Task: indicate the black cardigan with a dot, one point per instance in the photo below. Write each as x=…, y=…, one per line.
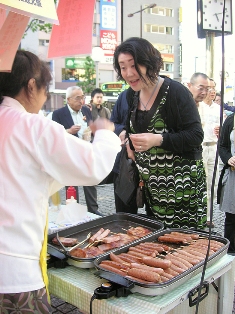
x=225, y=149
x=182, y=119
x=225, y=144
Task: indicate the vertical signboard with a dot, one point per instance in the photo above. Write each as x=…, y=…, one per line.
x=108, y=28
x=11, y=33
x=74, y=34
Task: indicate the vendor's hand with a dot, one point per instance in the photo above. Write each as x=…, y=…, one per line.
x=122, y=136
x=100, y=124
x=130, y=153
x=231, y=161
x=145, y=141
x=74, y=129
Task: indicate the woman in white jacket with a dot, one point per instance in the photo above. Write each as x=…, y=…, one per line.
x=38, y=157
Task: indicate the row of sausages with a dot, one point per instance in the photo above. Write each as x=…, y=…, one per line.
x=145, y=262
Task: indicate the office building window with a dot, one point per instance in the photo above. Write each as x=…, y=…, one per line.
x=159, y=11
x=168, y=67
x=164, y=48
x=44, y=42
x=160, y=29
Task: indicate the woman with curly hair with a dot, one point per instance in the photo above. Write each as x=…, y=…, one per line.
x=165, y=136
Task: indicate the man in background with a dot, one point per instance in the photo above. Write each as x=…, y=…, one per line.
x=198, y=86
x=97, y=109
x=203, y=90
x=75, y=117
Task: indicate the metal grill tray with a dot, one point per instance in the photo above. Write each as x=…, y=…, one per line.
x=165, y=287
x=116, y=223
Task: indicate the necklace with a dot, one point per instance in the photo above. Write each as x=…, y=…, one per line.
x=145, y=106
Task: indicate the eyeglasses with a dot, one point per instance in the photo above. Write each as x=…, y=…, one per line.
x=202, y=89
x=211, y=89
x=78, y=98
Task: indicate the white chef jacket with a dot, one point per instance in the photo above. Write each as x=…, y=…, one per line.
x=38, y=157
x=210, y=118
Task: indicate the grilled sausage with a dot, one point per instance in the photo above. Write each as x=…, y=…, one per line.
x=193, y=236
x=138, y=279
x=136, y=254
x=142, y=251
x=170, y=271
x=177, y=269
x=166, y=275
x=156, y=262
x=146, y=267
x=122, y=266
x=115, y=258
x=144, y=274
x=172, y=239
x=114, y=270
x=191, y=259
x=194, y=252
x=159, y=248
x=155, y=245
x=179, y=260
x=129, y=258
x=164, y=278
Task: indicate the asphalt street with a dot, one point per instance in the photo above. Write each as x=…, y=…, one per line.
x=107, y=207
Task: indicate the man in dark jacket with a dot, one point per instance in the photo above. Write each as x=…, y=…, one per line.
x=75, y=118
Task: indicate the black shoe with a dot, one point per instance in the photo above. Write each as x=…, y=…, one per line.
x=208, y=224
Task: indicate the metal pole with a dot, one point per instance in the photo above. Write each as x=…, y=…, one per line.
x=210, y=54
x=121, y=20
x=97, y=73
x=195, y=64
x=141, y=18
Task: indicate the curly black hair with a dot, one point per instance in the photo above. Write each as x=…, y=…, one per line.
x=143, y=53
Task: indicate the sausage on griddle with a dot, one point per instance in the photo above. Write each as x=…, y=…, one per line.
x=156, y=262
x=144, y=274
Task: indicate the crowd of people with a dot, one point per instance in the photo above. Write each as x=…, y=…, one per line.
x=172, y=141
x=170, y=131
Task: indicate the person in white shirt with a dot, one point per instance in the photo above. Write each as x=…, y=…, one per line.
x=210, y=116
x=38, y=157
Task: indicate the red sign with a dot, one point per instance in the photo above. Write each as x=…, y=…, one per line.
x=10, y=36
x=108, y=41
x=74, y=34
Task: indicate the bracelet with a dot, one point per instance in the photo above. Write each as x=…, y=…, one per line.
x=161, y=141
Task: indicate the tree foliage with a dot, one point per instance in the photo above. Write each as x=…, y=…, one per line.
x=89, y=82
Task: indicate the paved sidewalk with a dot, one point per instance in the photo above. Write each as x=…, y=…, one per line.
x=107, y=207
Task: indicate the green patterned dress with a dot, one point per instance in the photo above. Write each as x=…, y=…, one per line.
x=175, y=187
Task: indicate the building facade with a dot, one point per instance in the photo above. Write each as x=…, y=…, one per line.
x=161, y=25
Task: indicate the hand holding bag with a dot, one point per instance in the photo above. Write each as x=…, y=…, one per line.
x=128, y=178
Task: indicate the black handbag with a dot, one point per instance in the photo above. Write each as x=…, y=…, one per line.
x=128, y=178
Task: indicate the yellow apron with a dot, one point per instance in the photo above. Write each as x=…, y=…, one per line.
x=43, y=258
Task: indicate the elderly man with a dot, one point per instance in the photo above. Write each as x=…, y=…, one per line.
x=75, y=117
x=198, y=86
x=203, y=90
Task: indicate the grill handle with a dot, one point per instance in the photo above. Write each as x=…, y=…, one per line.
x=204, y=293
